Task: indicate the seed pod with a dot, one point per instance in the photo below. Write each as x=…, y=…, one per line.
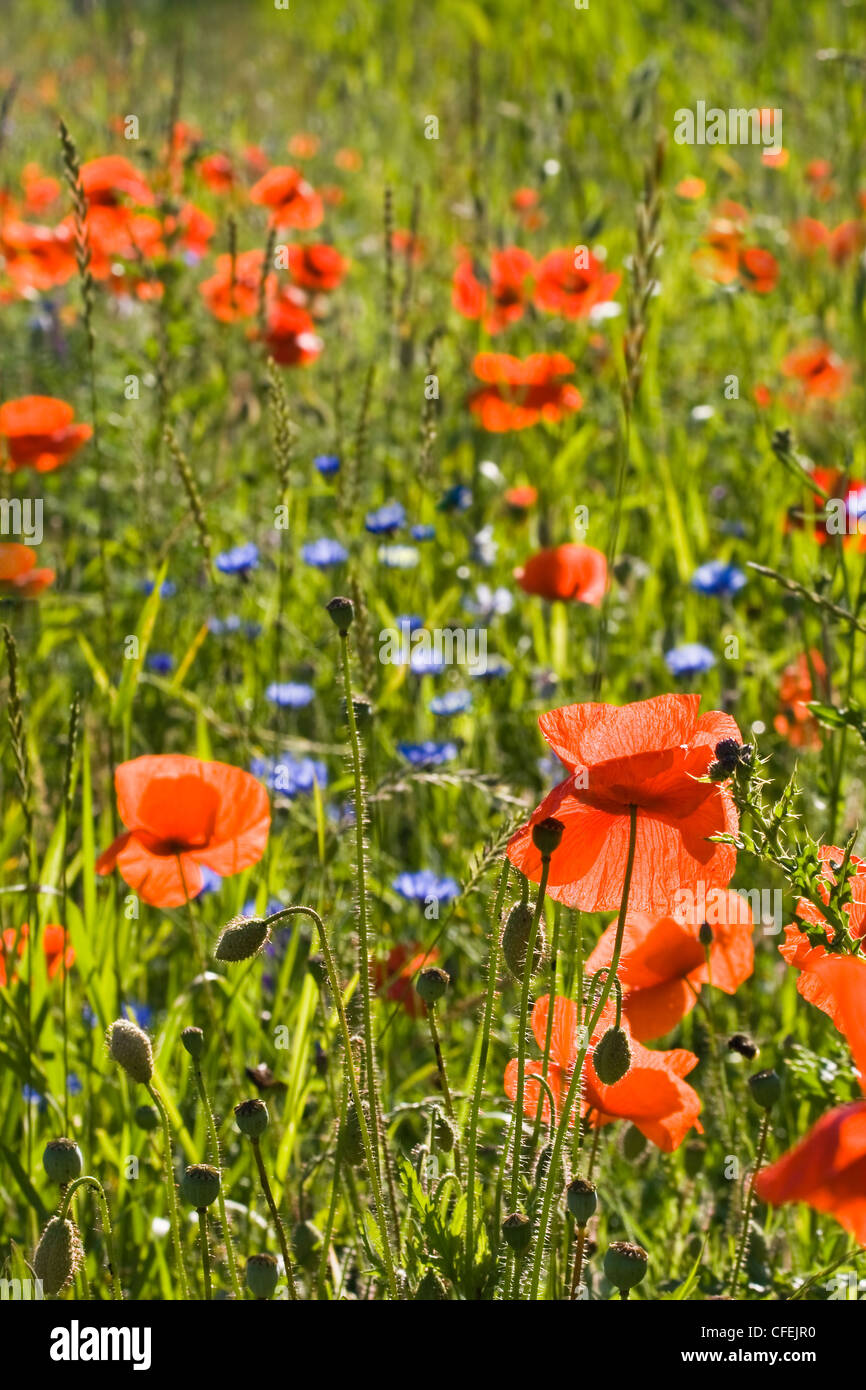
x=342, y=613
x=147, y=1118
x=766, y=1087
x=444, y=1131
x=252, y=1118
x=547, y=835
x=62, y=1161
x=432, y=984
x=130, y=1048
x=517, y=1232
x=58, y=1255
x=306, y=1243
x=193, y=1041
x=582, y=1198
x=261, y=1275
x=515, y=940
x=705, y=934
x=625, y=1264
x=200, y=1185
x=242, y=938
x=612, y=1056
x=350, y=1144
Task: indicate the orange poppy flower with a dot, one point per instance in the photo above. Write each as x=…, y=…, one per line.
x=504, y=300
x=794, y=720
x=111, y=176
x=690, y=189
x=819, y=371
x=317, y=267
x=653, y=1094
x=230, y=298
x=522, y=391
x=293, y=202
x=759, y=270
x=303, y=145
x=405, y=244
x=348, y=159
x=663, y=964
x=19, y=577
x=395, y=976
x=291, y=337
x=36, y=257
x=181, y=813
x=570, y=572
x=827, y=1169
x=52, y=938
x=40, y=190
x=191, y=229
x=39, y=432
x=563, y=288
x=651, y=754
x=218, y=172
x=806, y=955
x=520, y=499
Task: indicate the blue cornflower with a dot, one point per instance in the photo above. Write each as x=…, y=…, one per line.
x=32, y=1096
x=167, y=588
x=410, y=620
x=421, y=886
x=341, y=814
x=487, y=602
x=398, y=557
x=488, y=668
x=423, y=533
x=456, y=499
x=210, y=882
x=385, y=519
x=140, y=1013
x=74, y=1084
x=290, y=776
x=718, y=578
x=162, y=663
x=250, y=909
x=327, y=464
x=428, y=754
x=239, y=560
x=324, y=553
x=426, y=663
x=692, y=659
x=289, y=694
x=452, y=702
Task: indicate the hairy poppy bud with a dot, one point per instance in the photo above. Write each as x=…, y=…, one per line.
x=746, y=1046
x=350, y=1143
x=633, y=1143
x=705, y=934
x=242, y=938
x=251, y=1117
x=306, y=1242
x=342, y=613
x=766, y=1087
x=200, y=1185
x=612, y=1056
x=582, y=1198
x=147, y=1118
x=193, y=1041
x=517, y=1232
x=130, y=1048
x=547, y=835
x=58, y=1255
x=515, y=940
x=444, y=1131
x=261, y=1275
x=431, y=984
x=625, y=1264
x=431, y=1289
x=317, y=968
x=62, y=1161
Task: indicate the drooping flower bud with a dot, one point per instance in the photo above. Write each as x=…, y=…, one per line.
x=261, y=1275
x=242, y=938
x=130, y=1048
x=612, y=1056
x=200, y=1185
x=432, y=984
x=547, y=835
x=62, y=1161
x=193, y=1041
x=515, y=940
x=517, y=1232
x=444, y=1131
x=350, y=1143
x=582, y=1198
x=252, y=1118
x=625, y=1264
x=766, y=1087
x=58, y=1256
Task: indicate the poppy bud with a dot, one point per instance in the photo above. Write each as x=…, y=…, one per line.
x=431, y=1289
x=705, y=934
x=62, y=1161
x=147, y=1118
x=444, y=1131
x=432, y=984
x=317, y=968
x=242, y=938
x=545, y=1154
x=582, y=1198
x=130, y=1048
x=515, y=940
x=306, y=1242
x=58, y=1255
x=612, y=1056
x=633, y=1143
x=342, y=612
x=350, y=1142
x=193, y=1041
x=694, y=1154
x=547, y=835
x=251, y=1117
x=363, y=709
x=261, y=1275
x=200, y=1185
x=517, y=1232
x=766, y=1087
x=625, y=1264
x=746, y=1046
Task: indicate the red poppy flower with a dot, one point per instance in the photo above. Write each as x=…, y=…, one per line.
x=841, y=243
x=759, y=270
x=40, y=190
x=762, y=395
x=520, y=499
x=40, y=433
x=291, y=337
x=395, y=976
x=569, y=572
x=317, y=267
x=805, y=955
x=690, y=189
x=191, y=228
x=523, y=391
x=818, y=369
x=348, y=159
x=230, y=297
x=405, y=244
x=827, y=1169
x=293, y=202
x=563, y=288
x=218, y=172
x=35, y=257
x=663, y=964
x=52, y=938
x=504, y=300
x=303, y=145
x=775, y=159
x=819, y=174
x=794, y=721
x=181, y=813
x=652, y=1094
x=19, y=577
x=106, y=179
x=650, y=754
